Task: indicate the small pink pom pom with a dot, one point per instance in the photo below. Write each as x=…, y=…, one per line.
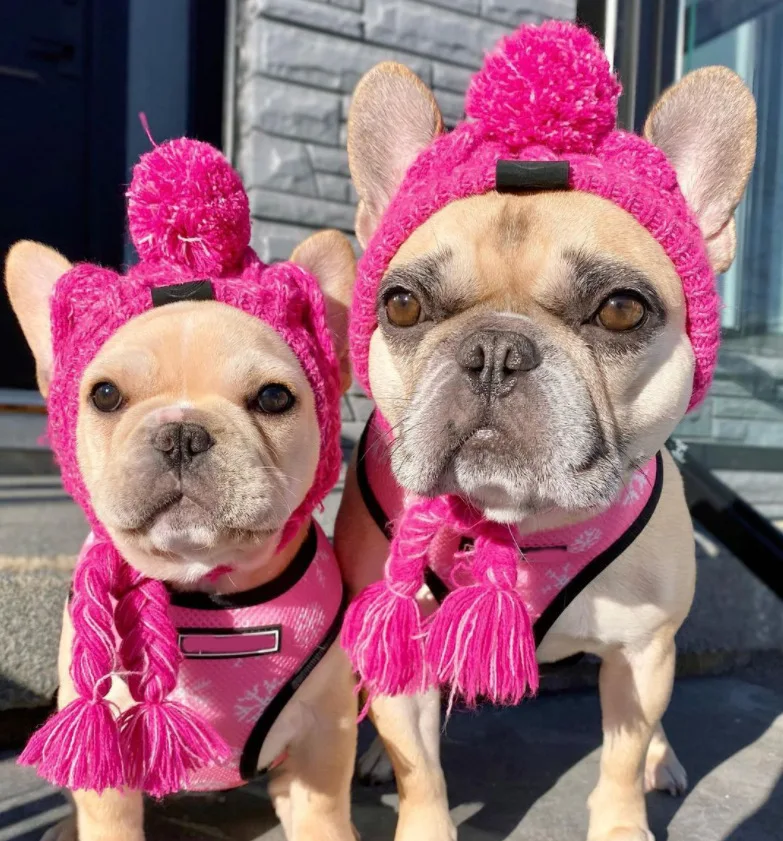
x=187, y=206
x=548, y=85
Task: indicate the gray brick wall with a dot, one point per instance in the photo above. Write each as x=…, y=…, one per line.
x=297, y=63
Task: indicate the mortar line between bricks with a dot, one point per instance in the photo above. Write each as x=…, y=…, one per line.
x=246, y=134
x=367, y=42
x=278, y=221
x=471, y=16
x=294, y=83
x=311, y=27
x=299, y=223
x=340, y=92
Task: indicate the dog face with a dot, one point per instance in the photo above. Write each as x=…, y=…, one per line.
x=531, y=350
x=197, y=434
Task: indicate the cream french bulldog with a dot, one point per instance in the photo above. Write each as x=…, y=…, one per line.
x=530, y=346
x=199, y=435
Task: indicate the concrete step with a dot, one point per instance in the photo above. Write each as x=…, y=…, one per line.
x=517, y=775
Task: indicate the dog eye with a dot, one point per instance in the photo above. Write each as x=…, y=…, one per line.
x=621, y=312
x=106, y=397
x=402, y=308
x=274, y=399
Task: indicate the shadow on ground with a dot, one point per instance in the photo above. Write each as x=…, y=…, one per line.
x=522, y=774
x=525, y=774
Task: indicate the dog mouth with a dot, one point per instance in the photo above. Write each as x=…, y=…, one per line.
x=507, y=475
x=182, y=524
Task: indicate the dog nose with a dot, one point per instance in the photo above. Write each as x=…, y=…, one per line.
x=493, y=358
x=181, y=442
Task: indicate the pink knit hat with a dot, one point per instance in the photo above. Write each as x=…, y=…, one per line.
x=190, y=222
x=545, y=94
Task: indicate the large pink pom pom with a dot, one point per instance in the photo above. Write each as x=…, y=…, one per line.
x=548, y=85
x=187, y=205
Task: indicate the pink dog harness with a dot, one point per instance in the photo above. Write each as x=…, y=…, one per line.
x=554, y=566
x=245, y=654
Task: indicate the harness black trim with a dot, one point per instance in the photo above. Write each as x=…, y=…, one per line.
x=257, y=595
x=248, y=764
x=438, y=589
x=551, y=613
x=602, y=561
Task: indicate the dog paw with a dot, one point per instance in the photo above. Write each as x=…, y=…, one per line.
x=374, y=767
x=664, y=772
x=63, y=831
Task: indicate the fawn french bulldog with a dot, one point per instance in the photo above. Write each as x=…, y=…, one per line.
x=194, y=411
x=534, y=313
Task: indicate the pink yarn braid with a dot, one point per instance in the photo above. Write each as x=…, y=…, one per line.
x=79, y=747
x=480, y=640
x=162, y=741
x=155, y=744
x=382, y=630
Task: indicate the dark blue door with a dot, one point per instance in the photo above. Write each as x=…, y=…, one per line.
x=61, y=139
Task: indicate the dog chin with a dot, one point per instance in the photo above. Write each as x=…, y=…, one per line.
x=189, y=554
x=497, y=505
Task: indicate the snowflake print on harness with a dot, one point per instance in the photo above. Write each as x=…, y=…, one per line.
x=559, y=579
x=320, y=575
x=253, y=703
x=586, y=540
x=634, y=490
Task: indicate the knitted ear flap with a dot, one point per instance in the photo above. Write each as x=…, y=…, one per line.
x=79, y=747
x=307, y=334
x=383, y=632
x=162, y=740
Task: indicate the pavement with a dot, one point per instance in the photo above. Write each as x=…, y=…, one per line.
x=522, y=774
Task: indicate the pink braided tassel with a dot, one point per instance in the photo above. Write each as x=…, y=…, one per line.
x=382, y=631
x=162, y=741
x=481, y=642
x=79, y=747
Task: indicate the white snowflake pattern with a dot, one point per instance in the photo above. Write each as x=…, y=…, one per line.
x=312, y=616
x=587, y=539
x=633, y=490
x=320, y=575
x=558, y=580
x=201, y=686
x=255, y=700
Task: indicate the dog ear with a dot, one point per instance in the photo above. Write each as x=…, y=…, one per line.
x=393, y=116
x=706, y=126
x=31, y=271
x=329, y=257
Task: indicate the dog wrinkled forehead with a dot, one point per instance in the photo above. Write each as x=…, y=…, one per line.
x=541, y=114
x=190, y=222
